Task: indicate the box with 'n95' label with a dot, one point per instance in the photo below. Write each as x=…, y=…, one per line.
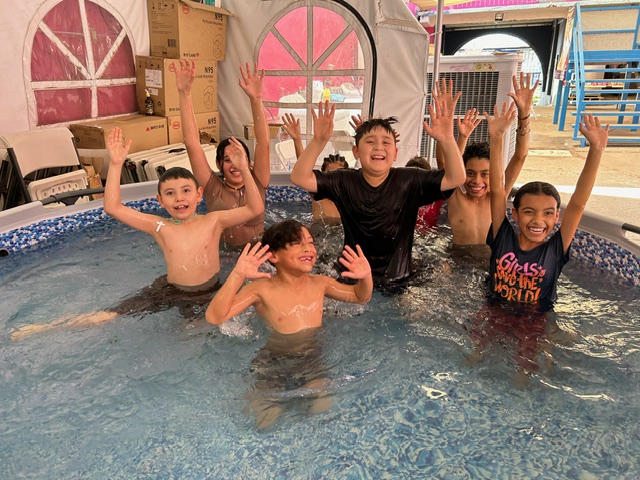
x=157, y=76
x=208, y=123
x=186, y=29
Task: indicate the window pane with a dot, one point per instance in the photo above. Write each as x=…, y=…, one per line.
x=293, y=28
x=63, y=105
x=345, y=56
x=274, y=56
x=284, y=89
x=327, y=27
x=339, y=89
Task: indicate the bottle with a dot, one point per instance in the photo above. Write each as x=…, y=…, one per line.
x=148, y=104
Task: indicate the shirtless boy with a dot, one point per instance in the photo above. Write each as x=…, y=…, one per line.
x=291, y=305
x=189, y=241
x=292, y=299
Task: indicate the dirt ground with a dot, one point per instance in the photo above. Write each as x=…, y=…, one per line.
x=555, y=158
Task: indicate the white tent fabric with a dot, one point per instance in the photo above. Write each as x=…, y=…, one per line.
x=400, y=41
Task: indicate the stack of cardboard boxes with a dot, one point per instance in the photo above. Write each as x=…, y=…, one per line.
x=188, y=30
x=177, y=29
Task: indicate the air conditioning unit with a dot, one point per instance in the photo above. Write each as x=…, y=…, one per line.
x=484, y=80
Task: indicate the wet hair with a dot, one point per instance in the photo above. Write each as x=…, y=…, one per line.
x=476, y=150
x=536, y=188
x=174, y=173
x=419, y=162
x=334, y=158
x=373, y=123
x=220, y=152
x=281, y=234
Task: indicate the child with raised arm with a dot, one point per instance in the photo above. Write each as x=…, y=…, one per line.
x=378, y=203
x=291, y=300
x=525, y=264
x=526, y=261
x=229, y=191
x=291, y=305
x=469, y=207
x=189, y=242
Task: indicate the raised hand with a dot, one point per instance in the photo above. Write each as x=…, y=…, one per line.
x=117, y=147
x=251, y=82
x=356, y=263
x=323, y=121
x=185, y=74
x=444, y=91
x=594, y=133
x=523, y=93
x=356, y=121
x=237, y=155
x=501, y=120
x=291, y=125
x=441, y=113
x=250, y=260
x=468, y=123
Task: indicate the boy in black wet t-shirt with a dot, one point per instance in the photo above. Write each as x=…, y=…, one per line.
x=379, y=204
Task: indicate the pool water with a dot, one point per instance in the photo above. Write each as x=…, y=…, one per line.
x=156, y=397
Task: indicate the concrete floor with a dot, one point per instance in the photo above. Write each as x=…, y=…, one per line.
x=555, y=158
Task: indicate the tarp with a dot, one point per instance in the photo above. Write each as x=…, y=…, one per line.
x=32, y=34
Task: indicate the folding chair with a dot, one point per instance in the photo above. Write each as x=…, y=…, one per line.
x=42, y=163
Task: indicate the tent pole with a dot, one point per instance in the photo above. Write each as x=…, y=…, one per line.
x=436, y=67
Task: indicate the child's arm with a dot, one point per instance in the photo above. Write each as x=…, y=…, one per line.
x=466, y=126
x=358, y=268
x=441, y=130
x=302, y=174
x=185, y=74
x=523, y=98
x=228, y=301
x=597, y=137
x=113, y=206
x=251, y=83
x=254, y=206
x=291, y=125
x=498, y=125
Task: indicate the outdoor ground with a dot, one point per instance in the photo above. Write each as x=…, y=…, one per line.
x=555, y=158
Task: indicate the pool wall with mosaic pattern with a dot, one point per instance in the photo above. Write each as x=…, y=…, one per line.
x=31, y=224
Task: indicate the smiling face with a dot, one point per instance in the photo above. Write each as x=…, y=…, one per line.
x=298, y=256
x=536, y=216
x=179, y=197
x=376, y=151
x=230, y=173
x=476, y=183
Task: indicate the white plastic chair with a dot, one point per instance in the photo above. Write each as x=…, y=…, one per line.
x=286, y=152
x=44, y=162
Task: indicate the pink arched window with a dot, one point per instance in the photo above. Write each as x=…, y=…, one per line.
x=313, y=52
x=81, y=64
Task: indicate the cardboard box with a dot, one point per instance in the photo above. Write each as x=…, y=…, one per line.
x=156, y=75
x=274, y=130
x=185, y=29
x=208, y=123
x=145, y=131
x=93, y=167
